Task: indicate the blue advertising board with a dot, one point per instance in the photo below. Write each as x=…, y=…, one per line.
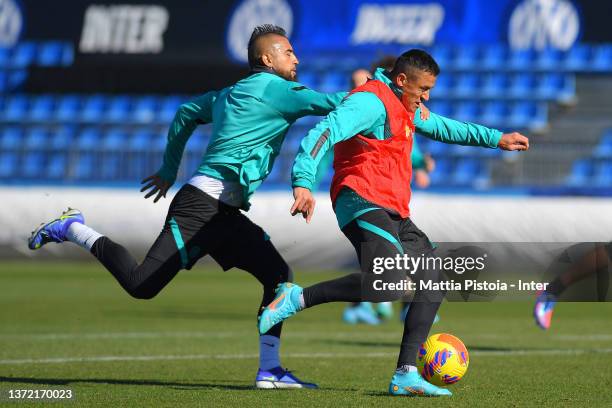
x=199, y=31
x=323, y=25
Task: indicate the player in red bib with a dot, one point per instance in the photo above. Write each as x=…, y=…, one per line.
x=372, y=134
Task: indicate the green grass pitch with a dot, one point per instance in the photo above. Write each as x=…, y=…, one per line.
x=70, y=325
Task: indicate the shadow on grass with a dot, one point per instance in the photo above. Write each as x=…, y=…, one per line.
x=384, y=394
x=176, y=385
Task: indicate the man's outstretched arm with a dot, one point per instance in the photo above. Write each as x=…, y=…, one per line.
x=187, y=118
x=447, y=130
x=294, y=100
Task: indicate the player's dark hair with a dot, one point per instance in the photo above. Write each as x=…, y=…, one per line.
x=258, y=32
x=414, y=60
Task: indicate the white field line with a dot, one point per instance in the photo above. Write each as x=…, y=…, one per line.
x=98, y=359
x=577, y=337
x=290, y=334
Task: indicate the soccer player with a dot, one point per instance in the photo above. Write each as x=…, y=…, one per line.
x=371, y=132
x=595, y=261
x=422, y=165
x=250, y=120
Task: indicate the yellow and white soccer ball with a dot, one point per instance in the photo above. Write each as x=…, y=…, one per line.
x=443, y=359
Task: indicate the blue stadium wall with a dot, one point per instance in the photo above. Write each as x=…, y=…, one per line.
x=87, y=90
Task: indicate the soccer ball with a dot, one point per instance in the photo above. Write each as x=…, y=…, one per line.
x=443, y=359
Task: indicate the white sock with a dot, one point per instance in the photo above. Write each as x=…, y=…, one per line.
x=302, y=302
x=407, y=369
x=82, y=235
x=268, y=352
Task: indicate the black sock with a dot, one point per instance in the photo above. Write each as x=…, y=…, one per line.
x=418, y=322
x=344, y=289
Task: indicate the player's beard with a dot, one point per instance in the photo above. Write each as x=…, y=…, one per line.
x=291, y=75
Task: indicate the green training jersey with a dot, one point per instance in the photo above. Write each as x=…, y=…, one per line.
x=249, y=122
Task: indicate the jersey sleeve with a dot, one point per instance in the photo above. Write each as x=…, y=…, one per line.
x=357, y=114
x=452, y=131
x=293, y=100
x=187, y=118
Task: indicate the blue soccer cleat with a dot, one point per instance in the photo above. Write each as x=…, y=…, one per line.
x=285, y=304
x=412, y=384
x=543, y=309
x=349, y=315
x=384, y=310
x=280, y=378
x=55, y=230
x=362, y=313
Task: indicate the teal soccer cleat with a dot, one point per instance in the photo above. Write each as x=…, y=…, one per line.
x=285, y=304
x=54, y=230
x=362, y=313
x=384, y=310
x=412, y=384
